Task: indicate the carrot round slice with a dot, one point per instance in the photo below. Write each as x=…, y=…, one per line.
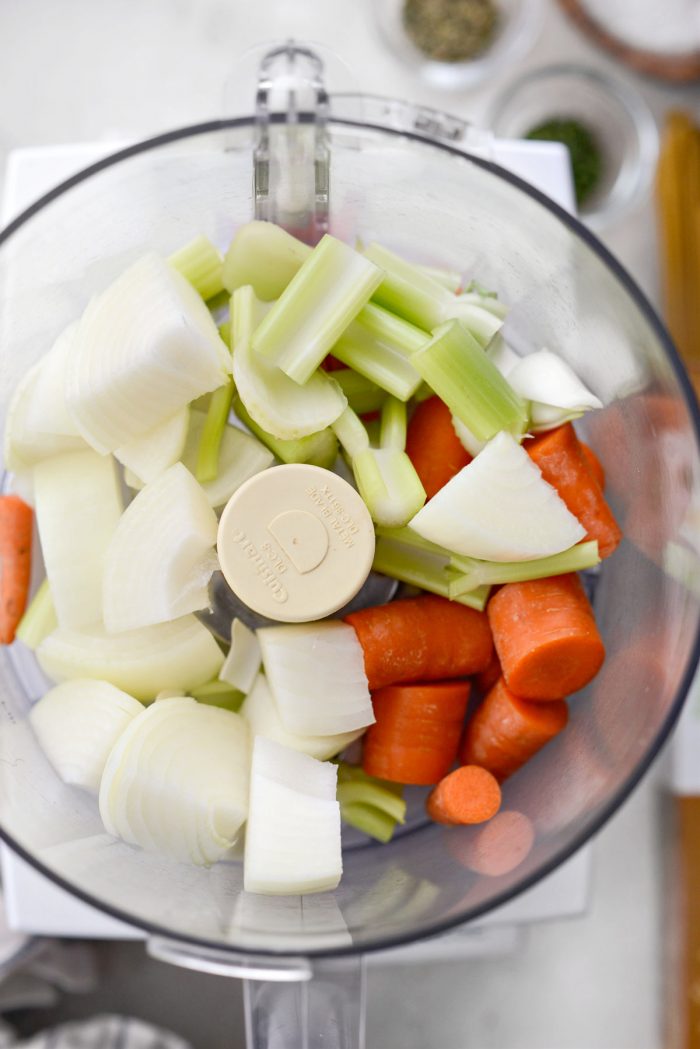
x=501, y=845
x=545, y=636
x=468, y=795
x=506, y=731
x=433, y=446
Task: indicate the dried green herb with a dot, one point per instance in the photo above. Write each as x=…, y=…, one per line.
x=450, y=30
x=586, y=154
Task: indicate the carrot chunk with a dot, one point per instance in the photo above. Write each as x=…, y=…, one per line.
x=545, y=636
x=594, y=464
x=468, y=795
x=433, y=446
x=15, y=563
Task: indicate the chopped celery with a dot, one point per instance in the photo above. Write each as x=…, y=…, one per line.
x=367, y=793
x=480, y=573
x=351, y=433
x=39, y=618
x=487, y=301
x=387, y=328
x=363, y=395
x=318, y=449
x=459, y=372
x=265, y=256
x=392, y=433
x=407, y=290
x=423, y=393
x=482, y=323
x=212, y=433
x=218, y=694
x=373, y=822
x=277, y=403
x=315, y=308
x=423, y=568
x=225, y=332
x=449, y=279
x=383, y=364
x=202, y=264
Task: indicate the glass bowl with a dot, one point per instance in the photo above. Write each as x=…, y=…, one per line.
x=614, y=112
x=519, y=24
x=438, y=206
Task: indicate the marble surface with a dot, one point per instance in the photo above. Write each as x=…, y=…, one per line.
x=81, y=70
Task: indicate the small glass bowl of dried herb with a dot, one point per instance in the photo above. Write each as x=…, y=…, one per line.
x=605, y=124
x=455, y=44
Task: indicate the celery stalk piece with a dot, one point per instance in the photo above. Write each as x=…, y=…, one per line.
x=315, y=308
x=373, y=822
x=363, y=395
x=423, y=393
x=479, y=322
x=212, y=433
x=392, y=432
x=378, y=344
x=202, y=265
x=388, y=483
x=408, y=291
x=39, y=618
x=459, y=372
x=351, y=433
x=225, y=332
x=373, y=794
x=275, y=402
x=218, y=694
x=449, y=279
x=386, y=327
x=265, y=256
x=423, y=569
x=318, y=449
x=480, y=573
x=486, y=300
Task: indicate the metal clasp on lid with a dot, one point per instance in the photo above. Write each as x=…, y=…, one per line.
x=291, y=156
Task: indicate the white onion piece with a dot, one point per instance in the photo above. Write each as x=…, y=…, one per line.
x=240, y=456
x=77, y=724
x=260, y=712
x=468, y=440
x=177, y=655
x=176, y=781
x=161, y=557
x=151, y=454
x=243, y=661
x=554, y=389
x=293, y=834
x=78, y=506
x=316, y=672
x=499, y=508
x=274, y=401
x=144, y=349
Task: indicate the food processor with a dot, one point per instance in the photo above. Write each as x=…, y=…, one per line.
x=423, y=184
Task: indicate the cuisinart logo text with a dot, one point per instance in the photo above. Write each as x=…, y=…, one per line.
x=261, y=564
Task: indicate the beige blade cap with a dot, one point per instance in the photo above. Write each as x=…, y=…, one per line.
x=295, y=543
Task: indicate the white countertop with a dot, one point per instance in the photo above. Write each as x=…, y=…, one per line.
x=118, y=69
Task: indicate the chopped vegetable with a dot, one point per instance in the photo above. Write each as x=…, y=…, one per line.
x=555, y=392
x=371, y=805
x=201, y=263
x=327, y=292
x=546, y=637
x=426, y=566
x=505, y=731
x=213, y=430
x=78, y=508
x=77, y=724
x=460, y=373
x=417, y=731
x=594, y=464
x=218, y=694
x=260, y=711
x=363, y=395
x=470, y=794
x=243, y=661
x=514, y=515
x=176, y=781
x=16, y=522
x=489, y=573
x=293, y=834
x=240, y=456
x=266, y=257
x=148, y=343
x=151, y=454
x=560, y=458
x=306, y=663
x=378, y=345
x=274, y=401
x=433, y=446
x=422, y=638
x=180, y=655
x=318, y=449
x=39, y=619
x=500, y=845
x=161, y=556
x=487, y=678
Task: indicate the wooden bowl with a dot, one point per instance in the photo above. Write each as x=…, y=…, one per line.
x=678, y=68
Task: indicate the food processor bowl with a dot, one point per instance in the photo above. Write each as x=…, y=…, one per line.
x=403, y=177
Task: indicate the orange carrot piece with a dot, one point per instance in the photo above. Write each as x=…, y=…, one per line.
x=594, y=464
x=433, y=446
x=416, y=734
x=545, y=636
x=501, y=845
x=562, y=462
x=15, y=563
x=506, y=731
x=468, y=795
x=487, y=678
x=426, y=638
